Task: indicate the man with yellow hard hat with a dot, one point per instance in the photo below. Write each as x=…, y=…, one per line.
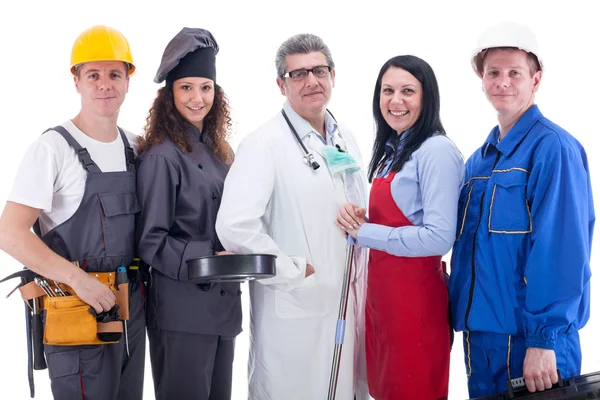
x=76, y=187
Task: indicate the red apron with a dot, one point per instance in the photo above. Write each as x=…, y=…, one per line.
x=407, y=330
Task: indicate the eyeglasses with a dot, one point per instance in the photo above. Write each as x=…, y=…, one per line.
x=301, y=74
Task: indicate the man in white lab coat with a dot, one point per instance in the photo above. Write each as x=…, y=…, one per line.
x=281, y=197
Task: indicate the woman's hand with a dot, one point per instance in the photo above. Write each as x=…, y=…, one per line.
x=350, y=217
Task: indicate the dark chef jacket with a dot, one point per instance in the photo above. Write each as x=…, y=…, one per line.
x=179, y=194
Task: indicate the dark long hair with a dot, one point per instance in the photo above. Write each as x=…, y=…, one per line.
x=165, y=121
x=426, y=125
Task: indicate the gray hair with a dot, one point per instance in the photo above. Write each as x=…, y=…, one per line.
x=302, y=43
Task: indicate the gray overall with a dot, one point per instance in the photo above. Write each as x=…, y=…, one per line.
x=100, y=235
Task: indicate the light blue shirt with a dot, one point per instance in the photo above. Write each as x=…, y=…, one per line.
x=303, y=127
x=426, y=190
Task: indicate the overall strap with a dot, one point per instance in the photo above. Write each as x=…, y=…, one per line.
x=129, y=155
x=82, y=153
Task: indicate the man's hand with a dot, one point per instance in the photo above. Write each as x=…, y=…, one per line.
x=309, y=270
x=350, y=218
x=223, y=253
x=93, y=292
x=539, y=369
x=17, y=240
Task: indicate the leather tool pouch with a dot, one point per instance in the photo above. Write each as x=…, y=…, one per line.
x=69, y=321
x=122, y=294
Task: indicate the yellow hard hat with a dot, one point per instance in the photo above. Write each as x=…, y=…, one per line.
x=101, y=43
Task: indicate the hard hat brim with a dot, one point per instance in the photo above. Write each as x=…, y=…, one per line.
x=480, y=52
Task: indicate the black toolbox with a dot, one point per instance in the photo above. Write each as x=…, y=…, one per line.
x=576, y=388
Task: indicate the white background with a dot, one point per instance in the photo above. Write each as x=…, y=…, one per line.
x=37, y=92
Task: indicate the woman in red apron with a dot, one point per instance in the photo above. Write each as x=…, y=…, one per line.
x=416, y=174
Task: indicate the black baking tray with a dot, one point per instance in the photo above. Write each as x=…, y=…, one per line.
x=231, y=268
x=576, y=388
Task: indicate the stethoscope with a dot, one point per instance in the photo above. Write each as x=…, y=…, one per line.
x=309, y=158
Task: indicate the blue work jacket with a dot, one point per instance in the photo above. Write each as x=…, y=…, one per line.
x=520, y=264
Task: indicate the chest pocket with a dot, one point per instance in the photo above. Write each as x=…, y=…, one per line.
x=118, y=222
x=509, y=207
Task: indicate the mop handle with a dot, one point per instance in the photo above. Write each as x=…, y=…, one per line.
x=341, y=324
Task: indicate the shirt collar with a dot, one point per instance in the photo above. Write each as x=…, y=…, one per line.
x=395, y=143
x=193, y=133
x=516, y=134
x=304, y=128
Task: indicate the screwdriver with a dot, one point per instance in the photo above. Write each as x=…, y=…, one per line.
x=122, y=278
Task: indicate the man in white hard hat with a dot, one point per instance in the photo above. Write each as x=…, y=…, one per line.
x=520, y=267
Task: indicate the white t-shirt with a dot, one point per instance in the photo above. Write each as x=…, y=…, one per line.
x=51, y=177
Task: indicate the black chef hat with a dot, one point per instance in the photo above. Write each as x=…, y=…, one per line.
x=190, y=53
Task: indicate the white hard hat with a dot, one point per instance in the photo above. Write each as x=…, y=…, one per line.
x=506, y=34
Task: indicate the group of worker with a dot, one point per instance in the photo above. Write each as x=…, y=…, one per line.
x=518, y=217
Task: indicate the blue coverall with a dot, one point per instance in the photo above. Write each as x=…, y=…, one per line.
x=520, y=273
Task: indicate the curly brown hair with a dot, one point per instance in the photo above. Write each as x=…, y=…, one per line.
x=165, y=121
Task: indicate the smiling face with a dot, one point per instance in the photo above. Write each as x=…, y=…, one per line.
x=401, y=98
x=309, y=96
x=193, y=98
x=508, y=82
x=102, y=86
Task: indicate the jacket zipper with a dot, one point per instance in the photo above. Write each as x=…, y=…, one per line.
x=472, y=288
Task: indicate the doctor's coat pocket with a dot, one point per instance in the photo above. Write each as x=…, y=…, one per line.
x=509, y=208
x=301, y=302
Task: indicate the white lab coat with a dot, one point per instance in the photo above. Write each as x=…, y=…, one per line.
x=273, y=203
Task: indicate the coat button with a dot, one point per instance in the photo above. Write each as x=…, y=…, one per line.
x=239, y=292
x=200, y=166
x=204, y=286
x=223, y=292
x=214, y=196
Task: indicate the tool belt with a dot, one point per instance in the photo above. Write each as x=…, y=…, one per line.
x=70, y=321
